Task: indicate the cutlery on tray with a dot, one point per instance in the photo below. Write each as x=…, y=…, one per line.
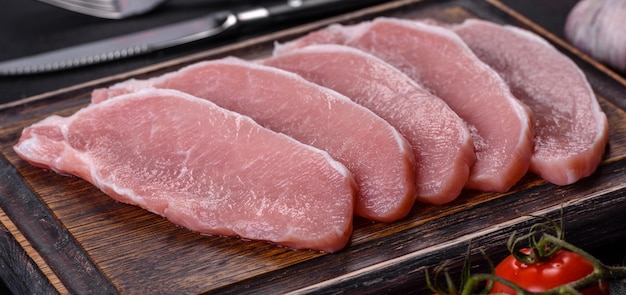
x=209, y=26
x=113, y=9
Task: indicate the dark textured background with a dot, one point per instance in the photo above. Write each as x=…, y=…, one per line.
x=28, y=27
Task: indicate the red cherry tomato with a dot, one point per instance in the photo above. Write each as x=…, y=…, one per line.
x=564, y=267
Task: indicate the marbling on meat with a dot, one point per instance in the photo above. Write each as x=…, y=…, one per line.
x=379, y=157
x=441, y=141
x=502, y=127
x=202, y=167
x=571, y=129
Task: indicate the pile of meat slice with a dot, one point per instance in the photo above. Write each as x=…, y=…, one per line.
x=360, y=120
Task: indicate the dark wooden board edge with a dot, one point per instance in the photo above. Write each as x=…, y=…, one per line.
x=18, y=271
x=78, y=94
x=49, y=237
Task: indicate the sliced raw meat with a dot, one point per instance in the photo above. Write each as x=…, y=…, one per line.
x=202, y=167
x=379, y=157
x=571, y=129
x=502, y=127
x=441, y=141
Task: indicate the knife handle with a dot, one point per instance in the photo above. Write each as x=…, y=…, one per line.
x=294, y=9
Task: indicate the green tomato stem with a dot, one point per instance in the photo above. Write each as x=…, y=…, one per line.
x=601, y=273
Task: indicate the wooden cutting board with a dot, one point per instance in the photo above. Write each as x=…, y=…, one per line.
x=63, y=235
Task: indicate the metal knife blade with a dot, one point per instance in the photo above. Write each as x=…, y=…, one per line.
x=170, y=35
x=117, y=47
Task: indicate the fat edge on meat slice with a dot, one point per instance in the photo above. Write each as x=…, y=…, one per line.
x=435, y=57
x=202, y=167
x=441, y=141
x=571, y=129
x=378, y=156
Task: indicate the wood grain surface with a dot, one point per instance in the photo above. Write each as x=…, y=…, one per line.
x=71, y=238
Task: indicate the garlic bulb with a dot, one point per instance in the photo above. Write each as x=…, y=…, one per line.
x=598, y=28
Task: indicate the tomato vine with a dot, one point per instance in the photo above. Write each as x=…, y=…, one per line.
x=542, y=247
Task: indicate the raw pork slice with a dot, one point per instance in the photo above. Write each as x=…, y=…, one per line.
x=378, y=156
x=441, y=141
x=571, y=129
x=502, y=127
x=202, y=167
